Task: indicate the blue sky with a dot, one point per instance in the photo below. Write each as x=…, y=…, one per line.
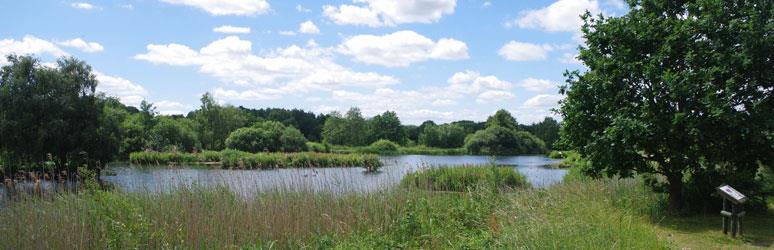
x=439, y=60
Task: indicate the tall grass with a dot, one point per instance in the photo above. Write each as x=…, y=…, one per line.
x=613, y=214
x=466, y=178
x=243, y=160
x=598, y=214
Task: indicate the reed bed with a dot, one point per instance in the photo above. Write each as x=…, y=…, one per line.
x=416, y=150
x=465, y=178
x=244, y=160
x=593, y=214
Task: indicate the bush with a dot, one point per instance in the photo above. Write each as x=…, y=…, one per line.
x=465, y=178
x=384, y=145
x=292, y=140
x=443, y=136
x=268, y=136
x=317, y=147
x=498, y=140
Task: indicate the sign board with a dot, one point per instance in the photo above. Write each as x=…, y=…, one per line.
x=730, y=193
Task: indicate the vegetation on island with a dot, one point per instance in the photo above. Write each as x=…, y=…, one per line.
x=235, y=159
x=465, y=178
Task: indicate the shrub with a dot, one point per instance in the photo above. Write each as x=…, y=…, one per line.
x=384, y=145
x=498, y=140
x=465, y=178
x=268, y=136
x=292, y=140
x=317, y=147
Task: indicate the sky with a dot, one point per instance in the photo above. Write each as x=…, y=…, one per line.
x=440, y=60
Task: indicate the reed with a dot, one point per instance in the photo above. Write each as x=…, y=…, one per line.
x=466, y=178
x=242, y=160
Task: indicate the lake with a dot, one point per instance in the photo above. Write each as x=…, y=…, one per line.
x=336, y=180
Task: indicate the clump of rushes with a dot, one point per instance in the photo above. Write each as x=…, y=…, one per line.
x=461, y=179
x=243, y=160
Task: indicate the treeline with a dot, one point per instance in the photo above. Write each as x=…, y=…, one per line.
x=53, y=116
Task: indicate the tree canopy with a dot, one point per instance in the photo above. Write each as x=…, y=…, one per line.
x=677, y=88
x=52, y=110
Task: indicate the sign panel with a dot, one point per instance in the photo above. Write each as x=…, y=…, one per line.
x=732, y=194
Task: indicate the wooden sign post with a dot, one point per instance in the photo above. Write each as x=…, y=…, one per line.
x=732, y=215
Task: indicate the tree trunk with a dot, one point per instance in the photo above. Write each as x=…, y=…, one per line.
x=675, y=190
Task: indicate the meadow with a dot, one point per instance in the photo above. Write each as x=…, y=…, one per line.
x=578, y=213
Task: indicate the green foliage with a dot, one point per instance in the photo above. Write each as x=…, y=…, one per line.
x=385, y=146
x=317, y=147
x=443, y=136
x=386, y=126
x=230, y=158
x=350, y=130
x=215, y=122
x=547, y=130
x=467, y=178
x=52, y=110
x=502, y=118
x=499, y=140
x=307, y=122
x=173, y=134
x=267, y=136
x=643, y=107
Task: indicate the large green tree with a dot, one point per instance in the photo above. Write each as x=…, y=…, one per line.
x=350, y=129
x=547, y=130
x=386, y=126
x=677, y=88
x=215, y=122
x=53, y=110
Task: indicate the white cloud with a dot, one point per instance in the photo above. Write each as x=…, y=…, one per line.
x=166, y=107
x=486, y=4
x=519, y=51
x=401, y=49
x=283, y=71
x=226, y=7
x=308, y=27
x=536, y=108
x=255, y=94
x=172, y=54
x=83, y=6
x=562, y=15
x=542, y=101
x=82, y=45
x=300, y=8
x=127, y=92
x=375, y=13
x=471, y=82
x=231, y=29
x=537, y=85
x=494, y=96
x=127, y=6
x=28, y=45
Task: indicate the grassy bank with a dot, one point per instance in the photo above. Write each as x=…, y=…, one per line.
x=244, y=160
x=588, y=214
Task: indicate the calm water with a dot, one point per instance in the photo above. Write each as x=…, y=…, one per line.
x=336, y=180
